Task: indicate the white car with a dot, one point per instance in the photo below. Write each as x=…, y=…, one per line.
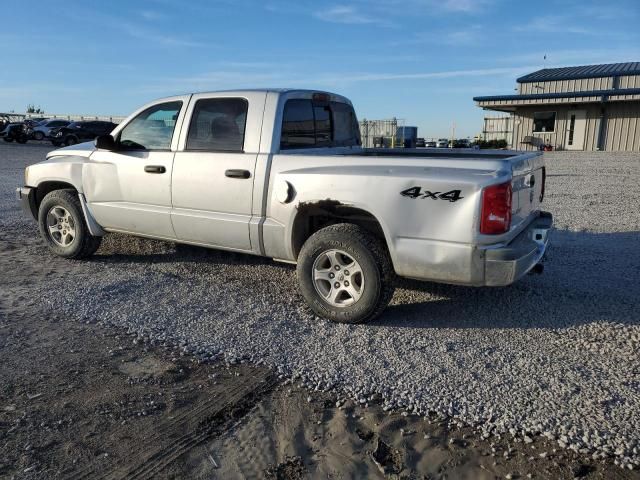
x=43, y=129
x=442, y=143
x=282, y=174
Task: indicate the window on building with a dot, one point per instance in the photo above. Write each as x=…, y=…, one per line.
x=544, y=122
x=218, y=124
x=305, y=125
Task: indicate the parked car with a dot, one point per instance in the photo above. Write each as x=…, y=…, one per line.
x=193, y=169
x=431, y=144
x=43, y=129
x=442, y=143
x=420, y=142
x=461, y=143
x=32, y=122
x=77, y=132
x=14, y=131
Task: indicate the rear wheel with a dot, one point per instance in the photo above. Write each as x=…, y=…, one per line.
x=22, y=139
x=38, y=135
x=8, y=140
x=62, y=225
x=70, y=141
x=345, y=274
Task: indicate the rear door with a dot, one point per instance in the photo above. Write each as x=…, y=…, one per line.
x=213, y=173
x=129, y=189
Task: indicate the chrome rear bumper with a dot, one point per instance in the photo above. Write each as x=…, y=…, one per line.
x=506, y=264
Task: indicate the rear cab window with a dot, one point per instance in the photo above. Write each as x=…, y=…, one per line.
x=306, y=124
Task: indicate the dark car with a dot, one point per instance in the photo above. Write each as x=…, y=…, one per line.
x=461, y=143
x=77, y=132
x=14, y=131
x=420, y=143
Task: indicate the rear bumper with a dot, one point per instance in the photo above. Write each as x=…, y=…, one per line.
x=27, y=198
x=506, y=264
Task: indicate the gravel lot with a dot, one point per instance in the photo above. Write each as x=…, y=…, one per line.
x=556, y=354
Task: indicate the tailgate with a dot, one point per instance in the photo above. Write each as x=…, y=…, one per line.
x=528, y=185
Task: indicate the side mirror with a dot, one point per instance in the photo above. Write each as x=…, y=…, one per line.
x=105, y=142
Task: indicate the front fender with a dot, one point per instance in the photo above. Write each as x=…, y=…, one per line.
x=62, y=169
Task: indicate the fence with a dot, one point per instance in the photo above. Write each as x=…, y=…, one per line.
x=380, y=133
x=498, y=128
x=17, y=117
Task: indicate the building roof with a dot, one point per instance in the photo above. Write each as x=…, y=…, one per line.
x=585, y=71
x=546, y=96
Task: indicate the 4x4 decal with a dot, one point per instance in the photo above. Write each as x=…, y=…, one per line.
x=417, y=192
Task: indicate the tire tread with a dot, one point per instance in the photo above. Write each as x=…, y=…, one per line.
x=89, y=244
x=379, y=252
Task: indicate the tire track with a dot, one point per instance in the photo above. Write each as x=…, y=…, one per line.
x=185, y=431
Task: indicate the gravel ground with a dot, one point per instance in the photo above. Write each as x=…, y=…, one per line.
x=555, y=355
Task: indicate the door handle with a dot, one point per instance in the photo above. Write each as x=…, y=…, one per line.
x=155, y=169
x=233, y=173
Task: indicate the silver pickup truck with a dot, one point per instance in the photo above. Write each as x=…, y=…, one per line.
x=282, y=174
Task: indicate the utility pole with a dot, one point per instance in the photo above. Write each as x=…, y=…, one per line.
x=453, y=132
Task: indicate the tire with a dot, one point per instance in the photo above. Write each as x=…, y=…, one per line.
x=38, y=136
x=56, y=144
x=345, y=246
x=70, y=141
x=8, y=140
x=71, y=239
x=22, y=139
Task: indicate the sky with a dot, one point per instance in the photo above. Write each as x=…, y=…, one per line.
x=422, y=61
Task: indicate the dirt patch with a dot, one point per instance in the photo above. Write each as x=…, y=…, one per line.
x=291, y=469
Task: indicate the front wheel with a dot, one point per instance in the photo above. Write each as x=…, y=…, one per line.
x=8, y=140
x=345, y=274
x=63, y=227
x=38, y=136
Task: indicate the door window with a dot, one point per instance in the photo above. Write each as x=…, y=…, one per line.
x=152, y=129
x=218, y=124
x=572, y=127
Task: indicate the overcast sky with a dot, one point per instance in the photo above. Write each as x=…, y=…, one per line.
x=419, y=60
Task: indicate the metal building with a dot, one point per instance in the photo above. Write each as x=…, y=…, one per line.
x=593, y=107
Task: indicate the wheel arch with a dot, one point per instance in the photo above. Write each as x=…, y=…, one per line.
x=313, y=216
x=48, y=186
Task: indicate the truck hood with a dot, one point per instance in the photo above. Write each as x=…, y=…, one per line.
x=79, y=150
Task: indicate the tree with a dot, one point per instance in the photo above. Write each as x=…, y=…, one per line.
x=32, y=109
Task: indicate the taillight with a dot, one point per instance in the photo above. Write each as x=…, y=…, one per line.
x=496, y=209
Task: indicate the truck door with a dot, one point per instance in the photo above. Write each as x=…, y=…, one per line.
x=129, y=189
x=214, y=169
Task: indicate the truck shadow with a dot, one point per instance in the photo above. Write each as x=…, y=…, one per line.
x=588, y=278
